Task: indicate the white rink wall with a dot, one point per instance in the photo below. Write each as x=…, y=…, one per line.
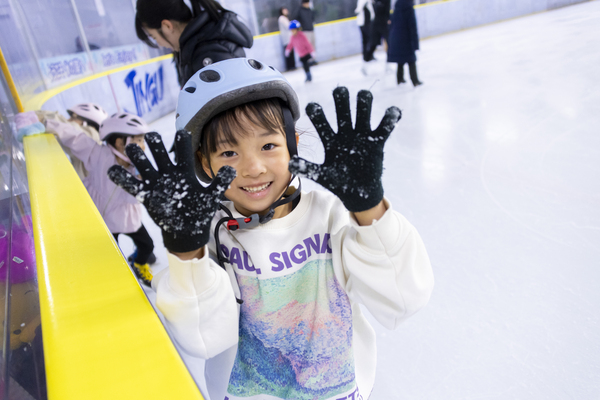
x=342, y=38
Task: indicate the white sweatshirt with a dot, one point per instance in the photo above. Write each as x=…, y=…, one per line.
x=299, y=332
x=121, y=212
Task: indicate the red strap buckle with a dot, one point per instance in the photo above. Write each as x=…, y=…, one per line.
x=235, y=224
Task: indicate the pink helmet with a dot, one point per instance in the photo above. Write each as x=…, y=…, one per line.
x=123, y=124
x=90, y=112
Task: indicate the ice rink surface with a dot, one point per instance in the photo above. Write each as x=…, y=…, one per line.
x=496, y=161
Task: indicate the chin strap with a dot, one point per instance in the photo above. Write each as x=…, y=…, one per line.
x=233, y=224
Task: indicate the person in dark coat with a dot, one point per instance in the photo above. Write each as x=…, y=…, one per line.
x=404, y=40
x=306, y=17
x=199, y=36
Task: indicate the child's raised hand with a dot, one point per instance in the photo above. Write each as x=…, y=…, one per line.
x=353, y=156
x=174, y=198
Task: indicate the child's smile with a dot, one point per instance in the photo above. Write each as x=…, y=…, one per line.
x=260, y=158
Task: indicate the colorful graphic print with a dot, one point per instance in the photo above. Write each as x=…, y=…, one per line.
x=295, y=336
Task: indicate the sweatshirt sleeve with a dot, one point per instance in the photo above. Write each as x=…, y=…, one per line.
x=386, y=267
x=198, y=301
x=81, y=145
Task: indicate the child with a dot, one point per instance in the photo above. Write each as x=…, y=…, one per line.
x=121, y=212
x=305, y=50
x=299, y=263
x=88, y=117
x=199, y=33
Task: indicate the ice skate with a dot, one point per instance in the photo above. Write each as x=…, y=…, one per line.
x=151, y=258
x=142, y=272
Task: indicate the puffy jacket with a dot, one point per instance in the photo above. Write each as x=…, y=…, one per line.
x=204, y=41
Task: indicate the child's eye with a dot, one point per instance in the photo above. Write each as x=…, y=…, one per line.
x=269, y=146
x=228, y=154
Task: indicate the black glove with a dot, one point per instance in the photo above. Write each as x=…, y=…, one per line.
x=176, y=201
x=353, y=157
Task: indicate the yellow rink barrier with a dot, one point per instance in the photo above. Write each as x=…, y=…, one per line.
x=102, y=338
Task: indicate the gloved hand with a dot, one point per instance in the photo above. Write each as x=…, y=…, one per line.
x=28, y=124
x=176, y=201
x=353, y=156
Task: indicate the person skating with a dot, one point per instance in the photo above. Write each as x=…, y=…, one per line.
x=404, y=41
x=305, y=50
x=264, y=280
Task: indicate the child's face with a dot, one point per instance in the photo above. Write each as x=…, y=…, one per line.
x=122, y=143
x=260, y=159
x=294, y=31
x=139, y=140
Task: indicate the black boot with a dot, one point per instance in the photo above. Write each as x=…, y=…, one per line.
x=412, y=69
x=400, y=74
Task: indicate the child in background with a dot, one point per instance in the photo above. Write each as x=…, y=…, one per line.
x=299, y=263
x=121, y=212
x=88, y=117
x=302, y=46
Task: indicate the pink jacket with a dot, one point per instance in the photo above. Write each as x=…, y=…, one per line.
x=121, y=212
x=300, y=43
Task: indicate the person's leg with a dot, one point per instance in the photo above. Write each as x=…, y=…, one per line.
x=290, y=62
x=365, y=32
x=306, y=67
x=400, y=73
x=143, y=251
x=310, y=35
x=375, y=41
x=412, y=69
x=143, y=243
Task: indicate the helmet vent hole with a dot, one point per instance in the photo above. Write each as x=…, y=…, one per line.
x=190, y=89
x=210, y=76
x=272, y=68
x=255, y=64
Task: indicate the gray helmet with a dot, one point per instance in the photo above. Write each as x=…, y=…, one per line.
x=227, y=84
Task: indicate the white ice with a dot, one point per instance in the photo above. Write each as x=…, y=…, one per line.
x=496, y=161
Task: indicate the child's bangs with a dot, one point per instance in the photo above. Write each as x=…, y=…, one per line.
x=228, y=125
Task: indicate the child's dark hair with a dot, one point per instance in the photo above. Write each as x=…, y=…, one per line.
x=227, y=125
x=150, y=14
x=112, y=139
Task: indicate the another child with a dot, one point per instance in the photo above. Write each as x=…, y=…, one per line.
x=121, y=212
x=299, y=263
x=302, y=46
x=88, y=117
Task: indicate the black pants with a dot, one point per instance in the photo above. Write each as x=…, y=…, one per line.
x=290, y=61
x=143, y=242
x=365, y=31
x=412, y=70
x=378, y=31
x=305, y=63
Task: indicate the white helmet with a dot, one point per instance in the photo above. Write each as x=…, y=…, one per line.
x=90, y=112
x=123, y=124
x=227, y=84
